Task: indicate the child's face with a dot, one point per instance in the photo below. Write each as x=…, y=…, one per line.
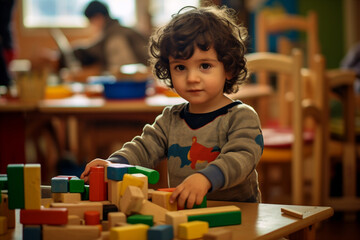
x=200, y=80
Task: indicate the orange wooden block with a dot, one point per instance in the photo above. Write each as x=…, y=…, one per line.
x=92, y=218
x=97, y=184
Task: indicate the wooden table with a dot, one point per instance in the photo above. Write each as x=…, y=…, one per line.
x=259, y=221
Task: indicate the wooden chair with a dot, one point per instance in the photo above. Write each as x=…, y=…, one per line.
x=269, y=24
x=296, y=145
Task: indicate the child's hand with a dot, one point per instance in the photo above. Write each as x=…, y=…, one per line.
x=192, y=190
x=93, y=163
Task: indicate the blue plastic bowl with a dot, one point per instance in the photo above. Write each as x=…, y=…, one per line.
x=125, y=90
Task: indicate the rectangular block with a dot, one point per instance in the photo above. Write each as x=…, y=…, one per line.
x=129, y=232
x=52, y=216
x=85, y=194
x=59, y=185
x=116, y=171
x=32, y=232
x=78, y=232
x=209, y=210
x=130, y=180
x=153, y=175
x=193, y=230
x=76, y=185
x=161, y=232
x=32, y=183
x=3, y=182
x=116, y=217
x=66, y=197
x=218, y=219
x=15, y=173
x=114, y=188
x=6, y=212
x=138, y=218
x=174, y=218
x=162, y=199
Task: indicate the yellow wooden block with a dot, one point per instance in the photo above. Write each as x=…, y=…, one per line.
x=145, y=187
x=174, y=218
x=32, y=189
x=129, y=232
x=193, y=230
x=130, y=180
x=162, y=199
x=3, y=225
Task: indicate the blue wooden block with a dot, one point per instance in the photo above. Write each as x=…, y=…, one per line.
x=116, y=171
x=59, y=185
x=161, y=232
x=31, y=232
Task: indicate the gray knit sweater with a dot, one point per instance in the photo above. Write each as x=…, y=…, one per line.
x=224, y=145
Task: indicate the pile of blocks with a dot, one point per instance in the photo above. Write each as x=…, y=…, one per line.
x=116, y=204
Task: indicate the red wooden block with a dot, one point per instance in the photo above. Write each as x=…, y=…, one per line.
x=92, y=217
x=166, y=189
x=51, y=216
x=97, y=184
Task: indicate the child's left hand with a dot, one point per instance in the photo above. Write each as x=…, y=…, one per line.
x=192, y=190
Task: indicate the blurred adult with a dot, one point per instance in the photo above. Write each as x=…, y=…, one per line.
x=117, y=45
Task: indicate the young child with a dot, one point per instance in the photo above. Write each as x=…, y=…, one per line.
x=212, y=143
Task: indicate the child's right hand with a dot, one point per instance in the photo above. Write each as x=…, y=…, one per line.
x=93, y=163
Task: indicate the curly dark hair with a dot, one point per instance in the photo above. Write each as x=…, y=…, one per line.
x=204, y=27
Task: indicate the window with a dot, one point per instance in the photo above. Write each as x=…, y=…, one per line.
x=69, y=13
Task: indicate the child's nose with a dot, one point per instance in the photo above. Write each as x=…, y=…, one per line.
x=193, y=77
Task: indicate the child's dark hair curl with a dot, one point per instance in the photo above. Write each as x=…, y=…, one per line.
x=204, y=28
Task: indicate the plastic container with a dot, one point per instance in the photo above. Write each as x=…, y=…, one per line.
x=125, y=89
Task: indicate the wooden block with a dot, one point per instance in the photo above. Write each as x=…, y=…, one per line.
x=138, y=218
x=161, y=232
x=203, y=204
x=107, y=208
x=73, y=232
x=153, y=175
x=53, y=216
x=45, y=202
x=292, y=212
x=79, y=208
x=85, y=194
x=130, y=180
x=116, y=171
x=32, y=182
x=116, y=217
x=150, y=192
x=174, y=219
x=166, y=189
x=162, y=199
x=15, y=174
x=66, y=197
x=92, y=217
x=129, y=232
x=218, y=219
x=59, y=185
x=132, y=200
x=3, y=225
x=149, y=208
x=209, y=210
x=32, y=232
x=3, y=182
x=74, y=220
x=97, y=184
x=105, y=225
x=218, y=234
x=6, y=212
x=145, y=187
x=76, y=185
x=193, y=230
x=114, y=188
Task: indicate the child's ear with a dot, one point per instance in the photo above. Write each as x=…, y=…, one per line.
x=228, y=76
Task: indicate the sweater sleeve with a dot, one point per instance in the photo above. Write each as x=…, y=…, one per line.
x=149, y=148
x=242, y=151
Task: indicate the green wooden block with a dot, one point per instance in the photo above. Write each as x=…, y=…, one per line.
x=3, y=182
x=15, y=173
x=76, y=185
x=137, y=218
x=85, y=193
x=202, y=205
x=218, y=219
x=153, y=175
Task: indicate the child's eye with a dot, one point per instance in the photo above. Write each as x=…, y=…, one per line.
x=180, y=67
x=205, y=66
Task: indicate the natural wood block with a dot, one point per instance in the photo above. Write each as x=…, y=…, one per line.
x=162, y=199
x=73, y=232
x=174, y=219
x=79, y=208
x=132, y=200
x=149, y=208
